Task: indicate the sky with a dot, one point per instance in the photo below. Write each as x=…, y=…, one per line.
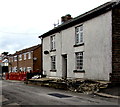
x=22, y=21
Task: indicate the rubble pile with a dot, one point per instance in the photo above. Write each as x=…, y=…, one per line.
x=85, y=86
x=75, y=85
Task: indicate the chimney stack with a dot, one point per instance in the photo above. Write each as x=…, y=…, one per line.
x=65, y=18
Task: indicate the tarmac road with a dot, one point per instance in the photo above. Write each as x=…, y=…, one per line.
x=18, y=93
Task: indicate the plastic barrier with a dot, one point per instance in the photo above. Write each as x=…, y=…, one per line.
x=16, y=76
x=7, y=76
x=21, y=76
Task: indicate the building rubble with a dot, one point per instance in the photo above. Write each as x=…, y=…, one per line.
x=75, y=85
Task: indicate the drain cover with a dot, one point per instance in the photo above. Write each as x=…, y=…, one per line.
x=59, y=95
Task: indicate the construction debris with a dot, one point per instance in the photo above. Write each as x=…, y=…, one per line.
x=76, y=85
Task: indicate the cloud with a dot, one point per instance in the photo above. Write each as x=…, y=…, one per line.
x=12, y=43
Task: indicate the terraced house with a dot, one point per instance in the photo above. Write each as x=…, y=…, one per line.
x=26, y=60
x=87, y=46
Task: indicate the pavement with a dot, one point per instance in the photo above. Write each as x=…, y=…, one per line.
x=110, y=92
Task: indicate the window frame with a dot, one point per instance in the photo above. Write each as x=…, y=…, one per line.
x=29, y=55
x=20, y=57
x=53, y=62
x=79, y=35
x=15, y=58
x=52, y=42
x=79, y=61
x=25, y=56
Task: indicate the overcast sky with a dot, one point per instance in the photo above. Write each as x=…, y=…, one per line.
x=22, y=21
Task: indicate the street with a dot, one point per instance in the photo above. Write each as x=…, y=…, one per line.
x=18, y=93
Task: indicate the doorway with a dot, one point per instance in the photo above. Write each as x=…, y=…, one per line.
x=64, y=66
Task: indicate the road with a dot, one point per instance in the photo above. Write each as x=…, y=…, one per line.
x=18, y=93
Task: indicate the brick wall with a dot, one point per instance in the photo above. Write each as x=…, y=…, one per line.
x=36, y=52
x=37, y=64
x=26, y=63
x=115, y=76
x=116, y=39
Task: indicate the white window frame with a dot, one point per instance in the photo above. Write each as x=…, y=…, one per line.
x=53, y=62
x=24, y=69
x=15, y=58
x=29, y=69
x=15, y=69
x=79, y=60
x=24, y=56
x=21, y=69
x=79, y=35
x=20, y=57
x=29, y=55
x=52, y=39
x=11, y=59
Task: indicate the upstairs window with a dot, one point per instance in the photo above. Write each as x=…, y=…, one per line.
x=53, y=42
x=79, y=35
x=53, y=62
x=79, y=61
x=20, y=57
x=29, y=55
x=11, y=59
x=15, y=58
x=24, y=56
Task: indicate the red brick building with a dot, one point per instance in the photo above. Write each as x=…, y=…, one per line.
x=26, y=59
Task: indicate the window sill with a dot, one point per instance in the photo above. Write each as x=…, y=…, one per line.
x=53, y=70
x=81, y=44
x=79, y=71
x=52, y=50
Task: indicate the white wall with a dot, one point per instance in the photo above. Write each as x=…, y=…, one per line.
x=97, y=49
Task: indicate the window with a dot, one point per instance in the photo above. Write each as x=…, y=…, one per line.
x=24, y=56
x=0, y=58
x=29, y=69
x=53, y=62
x=14, y=69
x=52, y=42
x=21, y=69
x=24, y=69
x=11, y=59
x=29, y=55
x=79, y=61
x=20, y=57
x=79, y=34
x=15, y=58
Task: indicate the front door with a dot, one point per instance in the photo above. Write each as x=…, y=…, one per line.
x=64, y=66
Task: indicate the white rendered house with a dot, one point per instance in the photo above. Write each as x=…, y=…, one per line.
x=83, y=47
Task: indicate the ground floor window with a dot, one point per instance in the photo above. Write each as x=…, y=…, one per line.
x=21, y=69
x=79, y=61
x=53, y=62
x=29, y=69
